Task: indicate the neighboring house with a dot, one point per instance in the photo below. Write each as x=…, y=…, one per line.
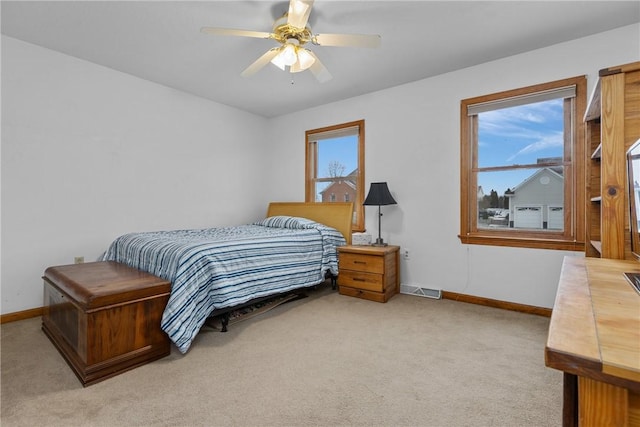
x=538, y=201
x=343, y=190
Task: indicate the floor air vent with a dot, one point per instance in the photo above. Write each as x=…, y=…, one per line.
x=421, y=292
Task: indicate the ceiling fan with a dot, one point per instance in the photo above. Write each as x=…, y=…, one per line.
x=291, y=30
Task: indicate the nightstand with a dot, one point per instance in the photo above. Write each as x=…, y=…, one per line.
x=369, y=272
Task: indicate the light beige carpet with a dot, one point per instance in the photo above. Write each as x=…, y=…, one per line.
x=326, y=360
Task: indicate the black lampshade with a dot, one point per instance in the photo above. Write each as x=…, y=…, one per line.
x=379, y=195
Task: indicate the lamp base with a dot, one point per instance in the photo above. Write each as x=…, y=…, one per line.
x=379, y=242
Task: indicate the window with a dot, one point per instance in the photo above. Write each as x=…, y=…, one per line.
x=335, y=165
x=522, y=167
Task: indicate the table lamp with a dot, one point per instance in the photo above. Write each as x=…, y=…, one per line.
x=379, y=195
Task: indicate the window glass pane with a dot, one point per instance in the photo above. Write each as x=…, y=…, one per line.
x=521, y=135
x=521, y=199
x=337, y=169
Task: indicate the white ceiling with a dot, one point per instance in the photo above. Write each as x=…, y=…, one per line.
x=161, y=41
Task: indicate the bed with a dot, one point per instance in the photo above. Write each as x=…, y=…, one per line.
x=217, y=269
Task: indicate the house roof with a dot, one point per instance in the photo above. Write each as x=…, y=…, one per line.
x=345, y=181
x=531, y=178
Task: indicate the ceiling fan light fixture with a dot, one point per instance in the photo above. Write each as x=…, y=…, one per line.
x=287, y=57
x=305, y=59
x=278, y=61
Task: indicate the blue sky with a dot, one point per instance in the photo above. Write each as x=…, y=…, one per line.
x=343, y=149
x=518, y=136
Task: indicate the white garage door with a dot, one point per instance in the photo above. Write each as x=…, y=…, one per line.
x=527, y=217
x=555, y=218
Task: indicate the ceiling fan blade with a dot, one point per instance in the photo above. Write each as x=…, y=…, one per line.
x=261, y=62
x=319, y=71
x=345, y=40
x=234, y=32
x=299, y=11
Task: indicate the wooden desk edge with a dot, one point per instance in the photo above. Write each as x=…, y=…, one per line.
x=576, y=350
x=572, y=329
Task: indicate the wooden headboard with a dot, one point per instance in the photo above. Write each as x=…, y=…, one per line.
x=338, y=215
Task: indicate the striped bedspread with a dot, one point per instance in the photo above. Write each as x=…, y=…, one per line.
x=216, y=268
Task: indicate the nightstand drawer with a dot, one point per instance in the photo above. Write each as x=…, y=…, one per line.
x=356, y=279
x=360, y=262
x=369, y=295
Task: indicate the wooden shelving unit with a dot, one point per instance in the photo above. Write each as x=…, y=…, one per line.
x=612, y=125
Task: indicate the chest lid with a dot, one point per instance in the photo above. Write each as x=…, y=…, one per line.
x=98, y=284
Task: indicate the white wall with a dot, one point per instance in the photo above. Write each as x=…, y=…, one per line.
x=89, y=153
x=412, y=142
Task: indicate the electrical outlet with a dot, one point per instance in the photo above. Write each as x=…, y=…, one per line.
x=78, y=260
x=406, y=254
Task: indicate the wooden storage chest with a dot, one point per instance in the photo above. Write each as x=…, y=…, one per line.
x=104, y=317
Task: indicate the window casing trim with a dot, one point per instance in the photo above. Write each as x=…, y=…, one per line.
x=311, y=138
x=572, y=237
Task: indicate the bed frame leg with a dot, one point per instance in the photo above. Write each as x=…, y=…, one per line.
x=225, y=321
x=333, y=282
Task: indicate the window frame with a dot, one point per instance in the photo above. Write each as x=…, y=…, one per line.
x=311, y=171
x=572, y=237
